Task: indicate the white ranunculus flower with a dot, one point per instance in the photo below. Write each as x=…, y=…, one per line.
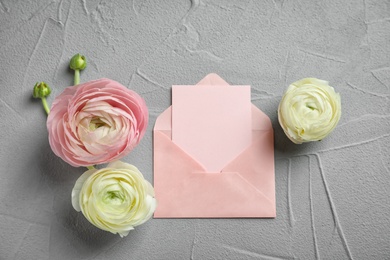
x=309, y=110
x=116, y=198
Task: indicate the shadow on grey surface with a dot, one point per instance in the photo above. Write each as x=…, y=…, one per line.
x=71, y=235
x=54, y=169
x=36, y=102
x=284, y=147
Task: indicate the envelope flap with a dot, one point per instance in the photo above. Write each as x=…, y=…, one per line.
x=260, y=121
x=164, y=120
x=213, y=196
x=165, y=146
x=256, y=164
x=184, y=190
x=213, y=79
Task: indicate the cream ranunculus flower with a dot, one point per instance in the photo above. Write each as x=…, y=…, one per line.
x=116, y=198
x=309, y=110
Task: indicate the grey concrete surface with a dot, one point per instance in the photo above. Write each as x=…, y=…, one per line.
x=332, y=196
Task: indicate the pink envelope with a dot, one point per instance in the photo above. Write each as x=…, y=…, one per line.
x=213, y=154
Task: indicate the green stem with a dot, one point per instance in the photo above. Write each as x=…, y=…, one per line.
x=45, y=105
x=76, y=77
x=76, y=82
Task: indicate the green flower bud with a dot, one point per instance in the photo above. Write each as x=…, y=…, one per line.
x=78, y=62
x=41, y=90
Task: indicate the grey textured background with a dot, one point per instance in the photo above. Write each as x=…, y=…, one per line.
x=332, y=196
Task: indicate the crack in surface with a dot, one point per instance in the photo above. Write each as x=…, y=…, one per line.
x=211, y=55
x=354, y=144
x=59, y=15
x=20, y=244
x=383, y=160
x=367, y=92
x=256, y=254
x=34, y=50
x=3, y=7
x=313, y=228
x=64, y=26
x=146, y=78
x=284, y=68
x=12, y=109
x=334, y=148
x=289, y=202
x=40, y=10
x=22, y=219
x=363, y=117
x=377, y=78
x=85, y=9
x=64, y=34
x=333, y=208
x=194, y=242
x=23, y=22
x=324, y=56
x=194, y=5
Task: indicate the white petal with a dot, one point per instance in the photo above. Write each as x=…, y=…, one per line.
x=77, y=188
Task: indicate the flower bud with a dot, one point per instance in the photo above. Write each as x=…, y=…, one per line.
x=41, y=90
x=78, y=62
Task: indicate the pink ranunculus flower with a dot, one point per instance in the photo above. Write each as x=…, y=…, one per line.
x=96, y=122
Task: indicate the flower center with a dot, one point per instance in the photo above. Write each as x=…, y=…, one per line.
x=95, y=123
x=310, y=106
x=113, y=197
